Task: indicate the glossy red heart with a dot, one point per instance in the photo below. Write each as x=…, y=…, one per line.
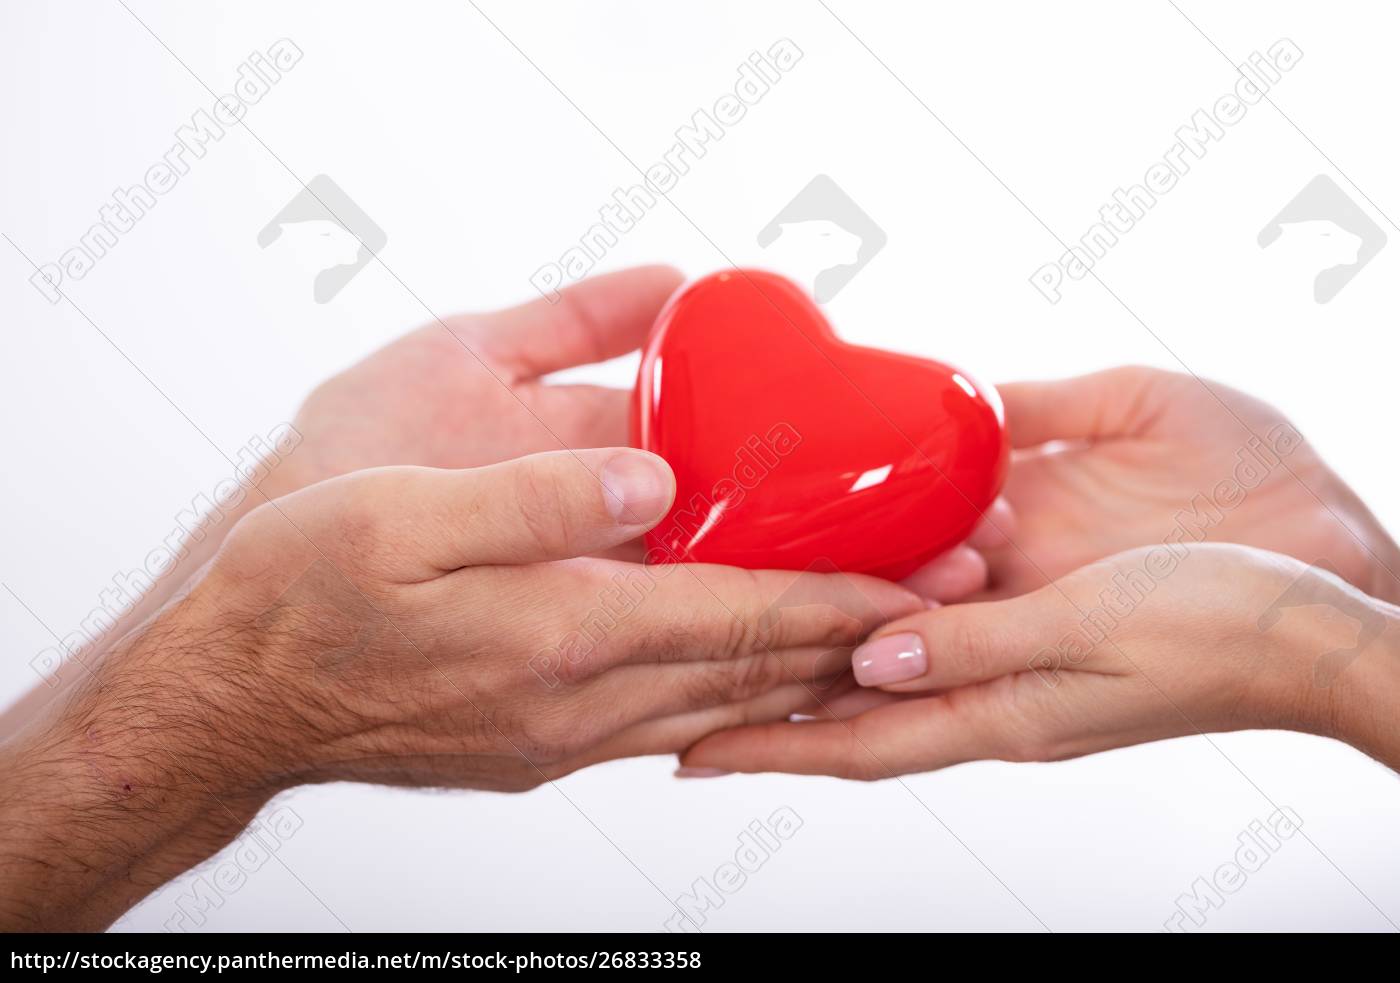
x=792, y=448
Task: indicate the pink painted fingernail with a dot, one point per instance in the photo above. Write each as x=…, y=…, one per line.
x=891, y=659
x=702, y=772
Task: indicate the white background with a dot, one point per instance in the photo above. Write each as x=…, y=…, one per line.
x=479, y=171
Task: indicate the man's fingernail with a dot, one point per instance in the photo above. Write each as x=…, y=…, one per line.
x=637, y=487
x=702, y=772
x=891, y=659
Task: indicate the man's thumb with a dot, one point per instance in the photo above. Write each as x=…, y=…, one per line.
x=552, y=506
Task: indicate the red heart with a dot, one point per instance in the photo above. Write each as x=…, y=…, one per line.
x=791, y=447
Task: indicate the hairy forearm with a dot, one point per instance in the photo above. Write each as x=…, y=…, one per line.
x=123, y=786
x=200, y=547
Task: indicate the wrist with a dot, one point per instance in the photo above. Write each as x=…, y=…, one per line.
x=134, y=780
x=1385, y=572
x=1362, y=702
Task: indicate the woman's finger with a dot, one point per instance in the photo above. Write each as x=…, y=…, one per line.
x=963, y=643
x=849, y=701
x=908, y=736
x=672, y=734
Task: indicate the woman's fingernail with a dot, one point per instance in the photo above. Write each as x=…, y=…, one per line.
x=637, y=487
x=702, y=772
x=892, y=659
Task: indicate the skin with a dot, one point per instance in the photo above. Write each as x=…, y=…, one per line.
x=466, y=392
x=458, y=394
x=1141, y=444
x=324, y=585
x=400, y=626
x=1191, y=656
x=401, y=609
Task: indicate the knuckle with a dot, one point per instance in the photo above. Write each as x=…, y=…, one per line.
x=813, y=624
x=363, y=531
x=748, y=626
x=754, y=677
x=541, y=503
x=737, y=637
x=1024, y=737
x=524, y=779
x=858, y=764
x=575, y=659
x=839, y=627
x=658, y=645
x=359, y=514
x=548, y=737
x=1025, y=748
x=706, y=688
x=1139, y=374
x=973, y=647
x=264, y=543
x=718, y=683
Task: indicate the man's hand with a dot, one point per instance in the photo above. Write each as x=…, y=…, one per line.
x=460, y=393
x=405, y=626
x=1105, y=463
x=470, y=390
x=1124, y=651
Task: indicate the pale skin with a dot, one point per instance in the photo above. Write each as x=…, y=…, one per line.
x=1009, y=678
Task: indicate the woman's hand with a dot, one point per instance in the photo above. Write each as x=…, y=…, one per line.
x=1137, y=457
x=405, y=626
x=1143, y=646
